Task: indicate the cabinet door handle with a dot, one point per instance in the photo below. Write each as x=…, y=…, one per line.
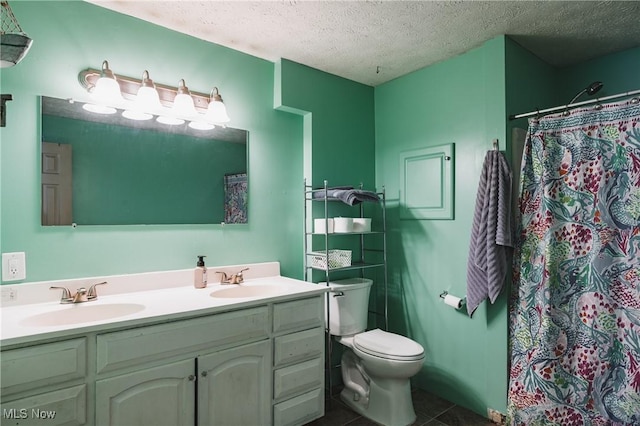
x=204, y=374
x=192, y=378
x=338, y=294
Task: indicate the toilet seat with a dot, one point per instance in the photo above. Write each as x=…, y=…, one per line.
x=387, y=345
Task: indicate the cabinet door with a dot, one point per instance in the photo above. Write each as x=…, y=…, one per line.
x=66, y=407
x=158, y=396
x=234, y=386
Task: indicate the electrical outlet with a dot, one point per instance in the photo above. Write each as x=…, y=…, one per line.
x=14, y=266
x=9, y=294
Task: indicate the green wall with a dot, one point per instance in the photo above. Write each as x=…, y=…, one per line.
x=531, y=83
x=339, y=115
x=72, y=36
x=445, y=103
x=620, y=72
x=339, y=139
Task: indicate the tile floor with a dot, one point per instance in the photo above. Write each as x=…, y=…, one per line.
x=430, y=411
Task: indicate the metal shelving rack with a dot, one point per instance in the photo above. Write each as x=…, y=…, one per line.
x=359, y=265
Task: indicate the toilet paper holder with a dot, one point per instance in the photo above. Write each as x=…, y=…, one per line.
x=445, y=293
x=461, y=301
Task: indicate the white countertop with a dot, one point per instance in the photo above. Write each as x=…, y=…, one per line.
x=166, y=303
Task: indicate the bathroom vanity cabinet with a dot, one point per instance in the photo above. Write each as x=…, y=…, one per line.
x=259, y=365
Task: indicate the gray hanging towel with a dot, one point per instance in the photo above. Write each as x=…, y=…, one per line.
x=491, y=234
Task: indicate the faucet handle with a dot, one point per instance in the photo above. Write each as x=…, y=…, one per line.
x=80, y=296
x=66, y=294
x=223, y=277
x=92, y=294
x=239, y=276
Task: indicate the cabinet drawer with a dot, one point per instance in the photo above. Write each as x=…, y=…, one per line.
x=61, y=407
x=297, y=378
x=142, y=345
x=298, y=346
x=299, y=410
x=298, y=314
x=42, y=365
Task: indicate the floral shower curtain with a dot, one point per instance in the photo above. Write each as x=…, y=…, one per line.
x=574, y=332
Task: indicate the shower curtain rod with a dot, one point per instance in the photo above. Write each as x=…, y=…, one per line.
x=591, y=101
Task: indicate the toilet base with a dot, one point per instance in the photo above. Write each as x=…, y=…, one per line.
x=389, y=402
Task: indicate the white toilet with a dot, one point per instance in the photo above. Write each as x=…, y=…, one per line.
x=377, y=365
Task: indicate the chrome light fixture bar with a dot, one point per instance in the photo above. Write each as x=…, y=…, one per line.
x=132, y=88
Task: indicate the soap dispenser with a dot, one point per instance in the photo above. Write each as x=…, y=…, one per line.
x=200, y=273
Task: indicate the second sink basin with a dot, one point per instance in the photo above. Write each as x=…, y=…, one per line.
x=80, y=313
x=243, y=291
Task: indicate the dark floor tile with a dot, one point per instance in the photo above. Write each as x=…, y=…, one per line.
x=433, y=422
x=361, y=421
x=430, y=409
x=460, y=416
x=421, y=418
x=335, y=414
x=429, y=404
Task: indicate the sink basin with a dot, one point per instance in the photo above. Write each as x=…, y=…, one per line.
x=242, y=291
x=80, y=313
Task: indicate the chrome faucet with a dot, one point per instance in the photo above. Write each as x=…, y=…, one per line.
x=81, y=295
x=236, y=278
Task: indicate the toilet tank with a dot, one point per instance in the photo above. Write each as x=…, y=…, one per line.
x=348, y=306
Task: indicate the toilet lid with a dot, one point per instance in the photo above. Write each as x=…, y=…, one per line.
x=388, y=345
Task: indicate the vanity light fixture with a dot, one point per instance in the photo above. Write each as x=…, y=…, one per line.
x=143, y=99
x=107, y=89
x=216, y=111
x=183, y=102
x=171, y=121
x=201, y=125
x=99, y=109
x=147, y=99
x=133, y=114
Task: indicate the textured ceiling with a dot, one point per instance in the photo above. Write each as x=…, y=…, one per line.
x=375, y=41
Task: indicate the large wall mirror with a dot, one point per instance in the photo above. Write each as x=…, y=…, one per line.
x=108, y=170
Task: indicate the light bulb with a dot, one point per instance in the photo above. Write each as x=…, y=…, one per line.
x=99, y=109
x=171, y=121
x=147, y=98
x=183, y=102
x=107, y=89
x=216, y=111
x=134, y=114
x=201, y=125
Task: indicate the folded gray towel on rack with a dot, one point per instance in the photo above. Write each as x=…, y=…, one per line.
x=491, y=234
x=331, y=192
x=356, y=196
x=348, y=195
